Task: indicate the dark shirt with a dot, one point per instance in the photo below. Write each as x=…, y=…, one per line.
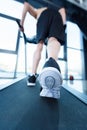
x=57, y=5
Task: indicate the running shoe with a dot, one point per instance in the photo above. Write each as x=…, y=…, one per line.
x=50, y=80
x=31, y=80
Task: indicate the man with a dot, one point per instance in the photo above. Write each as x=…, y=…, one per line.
x=50, y=26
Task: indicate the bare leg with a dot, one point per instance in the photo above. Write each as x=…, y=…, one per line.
x=53, y=48
x=37, y=57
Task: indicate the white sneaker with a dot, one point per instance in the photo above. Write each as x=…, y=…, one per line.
x=50, y=80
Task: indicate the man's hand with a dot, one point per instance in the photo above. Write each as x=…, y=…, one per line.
x=20, y=26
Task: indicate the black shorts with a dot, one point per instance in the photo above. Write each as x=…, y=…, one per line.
x=50, y=24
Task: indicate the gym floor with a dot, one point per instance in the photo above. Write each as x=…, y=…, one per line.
x=76, y=87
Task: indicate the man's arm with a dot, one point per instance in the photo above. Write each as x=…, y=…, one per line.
x=30, y=9
x=62, y=11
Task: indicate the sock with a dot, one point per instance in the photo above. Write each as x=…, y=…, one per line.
x=51, y=63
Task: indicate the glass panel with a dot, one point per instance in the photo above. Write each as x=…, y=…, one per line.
x=7, y=65
x=62, y=65
x=8, y=34
x=11, y=8
x=74, y=36
x=75, y=63
x=61, y=54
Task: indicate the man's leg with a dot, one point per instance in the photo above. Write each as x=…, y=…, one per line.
x=53, y=48
x=36, y=58
x=50, y=78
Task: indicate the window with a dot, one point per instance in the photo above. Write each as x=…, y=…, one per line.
x=8, y=34
x=75, y=60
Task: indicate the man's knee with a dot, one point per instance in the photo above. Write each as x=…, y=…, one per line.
x=39, y=46
x=51, y=39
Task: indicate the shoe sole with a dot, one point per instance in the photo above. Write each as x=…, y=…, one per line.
x=30, y=84
x=50, y=80
x=50, y=93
